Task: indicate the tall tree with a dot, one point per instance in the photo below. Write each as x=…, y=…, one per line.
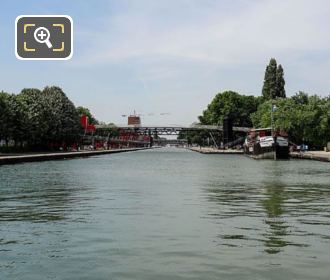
x=280, y=82
x=273, y=81
x=270, y=85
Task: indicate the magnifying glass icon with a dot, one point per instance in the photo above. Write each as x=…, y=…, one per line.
x=41, y=35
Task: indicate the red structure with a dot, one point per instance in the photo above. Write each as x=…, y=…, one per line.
x=89, y=128
x=97, y=138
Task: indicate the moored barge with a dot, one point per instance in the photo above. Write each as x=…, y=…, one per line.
x=264, y=143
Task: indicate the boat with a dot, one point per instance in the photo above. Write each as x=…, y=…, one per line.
x=264, y=143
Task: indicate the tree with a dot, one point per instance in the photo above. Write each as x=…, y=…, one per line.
x=36, y=119
x=63, y=119
x=269, y=87
x=274, y=82
x=230, y=104
x=33, y=120
x=300, y=98
x=305, y=118
x=5, y=116
x=280, y=82
x=19, y=121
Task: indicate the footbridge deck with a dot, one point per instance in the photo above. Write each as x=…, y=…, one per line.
x=168, y=130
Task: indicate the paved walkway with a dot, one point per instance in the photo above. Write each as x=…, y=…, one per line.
x=314, y=155
x=18, y=158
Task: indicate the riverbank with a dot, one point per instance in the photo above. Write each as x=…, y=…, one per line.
x=312, y=155
x=19, y=158
x=208, y=150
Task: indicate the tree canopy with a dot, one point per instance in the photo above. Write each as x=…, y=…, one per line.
x=274, y=83
x=36, y=118
x=306, y=118
x=230, y=104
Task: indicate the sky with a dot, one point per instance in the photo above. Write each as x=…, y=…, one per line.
x=172, y=56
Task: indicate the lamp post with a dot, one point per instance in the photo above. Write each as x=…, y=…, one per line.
x=273, y=107
x=271, y=119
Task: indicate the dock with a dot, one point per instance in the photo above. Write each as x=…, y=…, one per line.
x=31, y=157
x=208, y=150
x=312, y=155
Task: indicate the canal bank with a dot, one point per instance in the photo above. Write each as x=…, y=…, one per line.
x=209, y=150
x=20, y=158
x=312, y=155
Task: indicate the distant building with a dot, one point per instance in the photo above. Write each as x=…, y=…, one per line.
x=134, y=120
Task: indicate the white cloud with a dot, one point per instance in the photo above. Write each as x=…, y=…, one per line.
x=180, y=53
x=248, y=33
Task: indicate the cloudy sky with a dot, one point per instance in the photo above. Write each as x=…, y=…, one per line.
x=173, y=56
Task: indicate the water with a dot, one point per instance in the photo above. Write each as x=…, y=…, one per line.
x=165, y=214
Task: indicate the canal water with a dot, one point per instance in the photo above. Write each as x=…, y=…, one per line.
x=165, y=214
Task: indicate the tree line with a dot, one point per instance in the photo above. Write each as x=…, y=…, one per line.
x=40, y=119
x=305, y=117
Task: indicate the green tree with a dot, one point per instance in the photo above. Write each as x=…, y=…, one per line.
x=4, y=110
x=38, y=119
x=300, y=98
x=305, y=118
x=6, y=116
x=269, y=87
x=63, y=119
x=19, y=120
x=32, y=120
x=280, y=82
x=232, y=105
x=274, y=83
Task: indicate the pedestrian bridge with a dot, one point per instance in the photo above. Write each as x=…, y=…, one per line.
x=169, y=130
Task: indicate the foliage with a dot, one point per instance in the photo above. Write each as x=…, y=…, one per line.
x=35, y=118
x=228, y=104
x=274, y=82
x=280, y=82
x=305, y=118
x=4, y=114
x=201, y=138
x=232, y=105
x=31, y=111
x=63, y=119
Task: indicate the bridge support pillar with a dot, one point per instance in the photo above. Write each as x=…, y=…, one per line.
x=228, y=130
x=151, y=139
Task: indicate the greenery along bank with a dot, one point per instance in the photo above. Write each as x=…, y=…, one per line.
x=39, y=119
x=305, y=117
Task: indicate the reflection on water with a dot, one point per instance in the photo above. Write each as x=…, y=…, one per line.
x=283, y=208
x=23, y=197
x=273, y=204
x=278, y=227
x=165, y=214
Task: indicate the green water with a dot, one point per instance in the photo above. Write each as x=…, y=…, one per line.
x=165, y=214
